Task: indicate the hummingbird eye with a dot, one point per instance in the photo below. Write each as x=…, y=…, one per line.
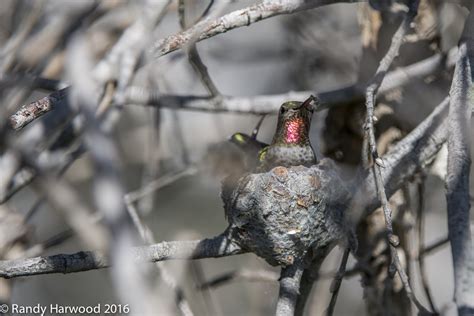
x=282, y=110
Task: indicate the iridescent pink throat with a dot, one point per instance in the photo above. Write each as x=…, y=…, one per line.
x=294, y=130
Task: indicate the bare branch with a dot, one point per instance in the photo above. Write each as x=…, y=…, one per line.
x=290, y=279
x=271, y=103
x=193, y=55
x=337, y=282
x=244, y=274
x=248, y=105
x=26, y=175
x=410, y=155
x=264, y=104
x=372, y=88
x=130, y=43
x=219, y=246
x=457, y=180
x=434, y=246
x=310, y=275
x=147, y=237
x=32, y=111
x=236, y=19
x=157, y=184
x=51, y=242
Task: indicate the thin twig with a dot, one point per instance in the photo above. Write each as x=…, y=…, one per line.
x=147, y=237
x=107, y=99
x=26, y=176
x=434, y=246
x=143, y=230
x=51, y=242
x=237, y=275
x=209, y=300
x=219, y=246
x=378, y=163
x=146, y=234
x=159, y=183
x=193, y=55
x=335, y=286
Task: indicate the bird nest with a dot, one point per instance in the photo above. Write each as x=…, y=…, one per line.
x=286, y=213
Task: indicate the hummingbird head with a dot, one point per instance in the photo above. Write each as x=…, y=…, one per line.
x=240, y=139
x=294, y=120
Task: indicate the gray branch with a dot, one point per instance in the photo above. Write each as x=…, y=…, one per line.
x=290, y=279
x=243, y=274
x=250, y=105
x=29, y=112
x=412, y=154
x=378, y=164
x=243, y=17
x=219, y=246
x=457, y=179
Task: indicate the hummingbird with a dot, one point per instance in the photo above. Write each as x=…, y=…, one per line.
x=290, y=145
x=249, y=145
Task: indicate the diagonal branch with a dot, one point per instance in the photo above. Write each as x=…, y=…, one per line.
x=29, y=112
x=243, y=17
x=433, y=247
x=457, y=179
x=193, y=55
x=412, y=154
x=378, y=164
x=219, y=246
x=243, y=274
x=336, y=285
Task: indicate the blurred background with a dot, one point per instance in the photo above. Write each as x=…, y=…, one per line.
x=318, y=50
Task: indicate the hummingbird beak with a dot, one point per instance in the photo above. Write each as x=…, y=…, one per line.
x=308, y=103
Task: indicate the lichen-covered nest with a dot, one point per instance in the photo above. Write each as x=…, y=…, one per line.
x=283, y=214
